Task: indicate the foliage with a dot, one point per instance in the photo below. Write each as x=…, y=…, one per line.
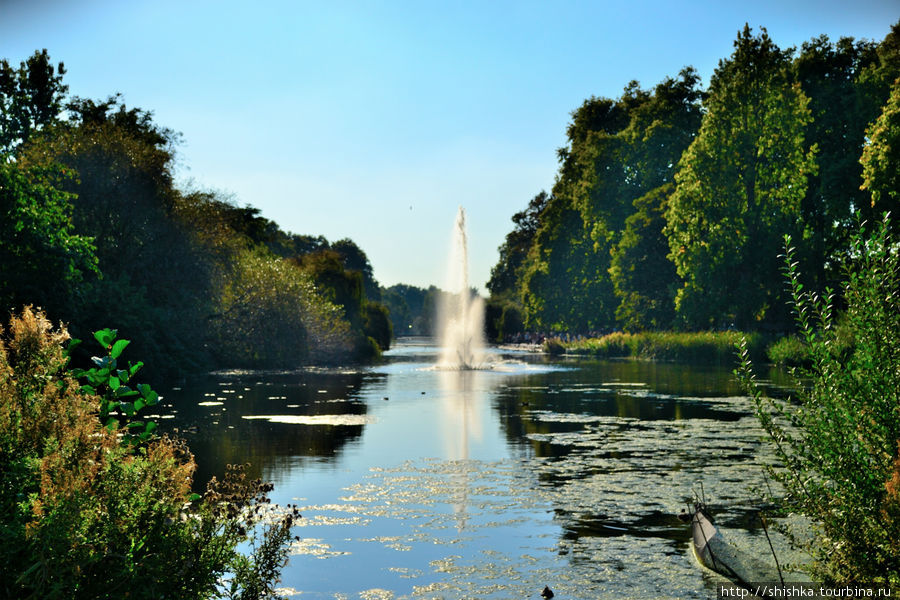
x=119, y=403
x=31, y=98
x=739, y=188
x=643, y=278
x=84, y=515
x=93, y=205
x=505, y=275
x=269, y=312
x=881, y=156
x=377, y=324
x=789, y=351
x=712, y=347
x=563, y=282
x=841, y=107
x=837, y=440
x=503, y=319
x=354, y=259
x=41, y=258
x=618, y=150
x=123, y=198
x=398, y=310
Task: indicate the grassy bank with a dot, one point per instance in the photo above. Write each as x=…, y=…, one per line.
x=704, y=346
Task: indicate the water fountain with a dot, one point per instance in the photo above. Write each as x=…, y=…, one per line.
x=461, y=314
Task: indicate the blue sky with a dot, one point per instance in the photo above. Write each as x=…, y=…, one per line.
x=375, y=120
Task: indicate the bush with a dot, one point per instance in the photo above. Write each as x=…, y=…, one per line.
x=85, y=514
x=699, y=347
x=837, y=440
x=377, y=324
x=789, y=351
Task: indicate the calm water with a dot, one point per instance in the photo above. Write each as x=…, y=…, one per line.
x=419, y=483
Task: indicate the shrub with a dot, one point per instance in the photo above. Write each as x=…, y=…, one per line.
x=837, y=440
x=85, y=514
x=702, y=346
x=789, y=351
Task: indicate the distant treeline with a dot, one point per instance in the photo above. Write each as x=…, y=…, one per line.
x=94, y=231
x=671, y=204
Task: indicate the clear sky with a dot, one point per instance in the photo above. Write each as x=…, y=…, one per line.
x=375, y=120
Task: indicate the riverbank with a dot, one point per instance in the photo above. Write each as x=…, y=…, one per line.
x=710, y=347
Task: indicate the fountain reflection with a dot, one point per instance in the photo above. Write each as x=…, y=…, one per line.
x=461, y=424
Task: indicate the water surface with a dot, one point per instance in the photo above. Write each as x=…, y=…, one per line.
x=415, y=482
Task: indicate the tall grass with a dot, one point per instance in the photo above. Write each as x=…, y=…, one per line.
x=713, y=347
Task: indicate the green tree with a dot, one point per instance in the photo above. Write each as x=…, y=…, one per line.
x=124, y=198
x=645, y=279
x=505, y=274
x=407, y=306
x=42, y=259
x=739, y=188
x=564, y=282
x=269, y=313
x=618, y=150
x=31, y=98
x=661, y=127
x=354, y=259
x=829, y=74
x=398, y=310
x=881, y=156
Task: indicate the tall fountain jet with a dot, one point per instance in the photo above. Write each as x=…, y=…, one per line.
x=461, y=323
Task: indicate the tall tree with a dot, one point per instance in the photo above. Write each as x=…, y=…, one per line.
x=661, y=128
x=564, y=282
x=31, y=98
x=155, y=283
x=644, y=278
x=355, y=259
x=42, y=259
x=829, y=74
x=505, y=275
x=881, y=158
x=739, y=189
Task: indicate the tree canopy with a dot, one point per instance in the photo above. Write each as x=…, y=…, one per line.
x=95, y=230
x=670, y=202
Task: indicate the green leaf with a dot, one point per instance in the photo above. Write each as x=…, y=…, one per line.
x=114, y=383
x=194, y=497
x=118, y=347
x=127, y=408
x=105, y=337
x=149, y=395
x=112, y=423
x=150, y=426
x=134, y=368
x=73, y=343
x=139, y=404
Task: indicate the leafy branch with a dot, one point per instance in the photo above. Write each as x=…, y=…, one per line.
x=119, y=402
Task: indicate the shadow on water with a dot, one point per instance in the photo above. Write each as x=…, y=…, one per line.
x=214, y=414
